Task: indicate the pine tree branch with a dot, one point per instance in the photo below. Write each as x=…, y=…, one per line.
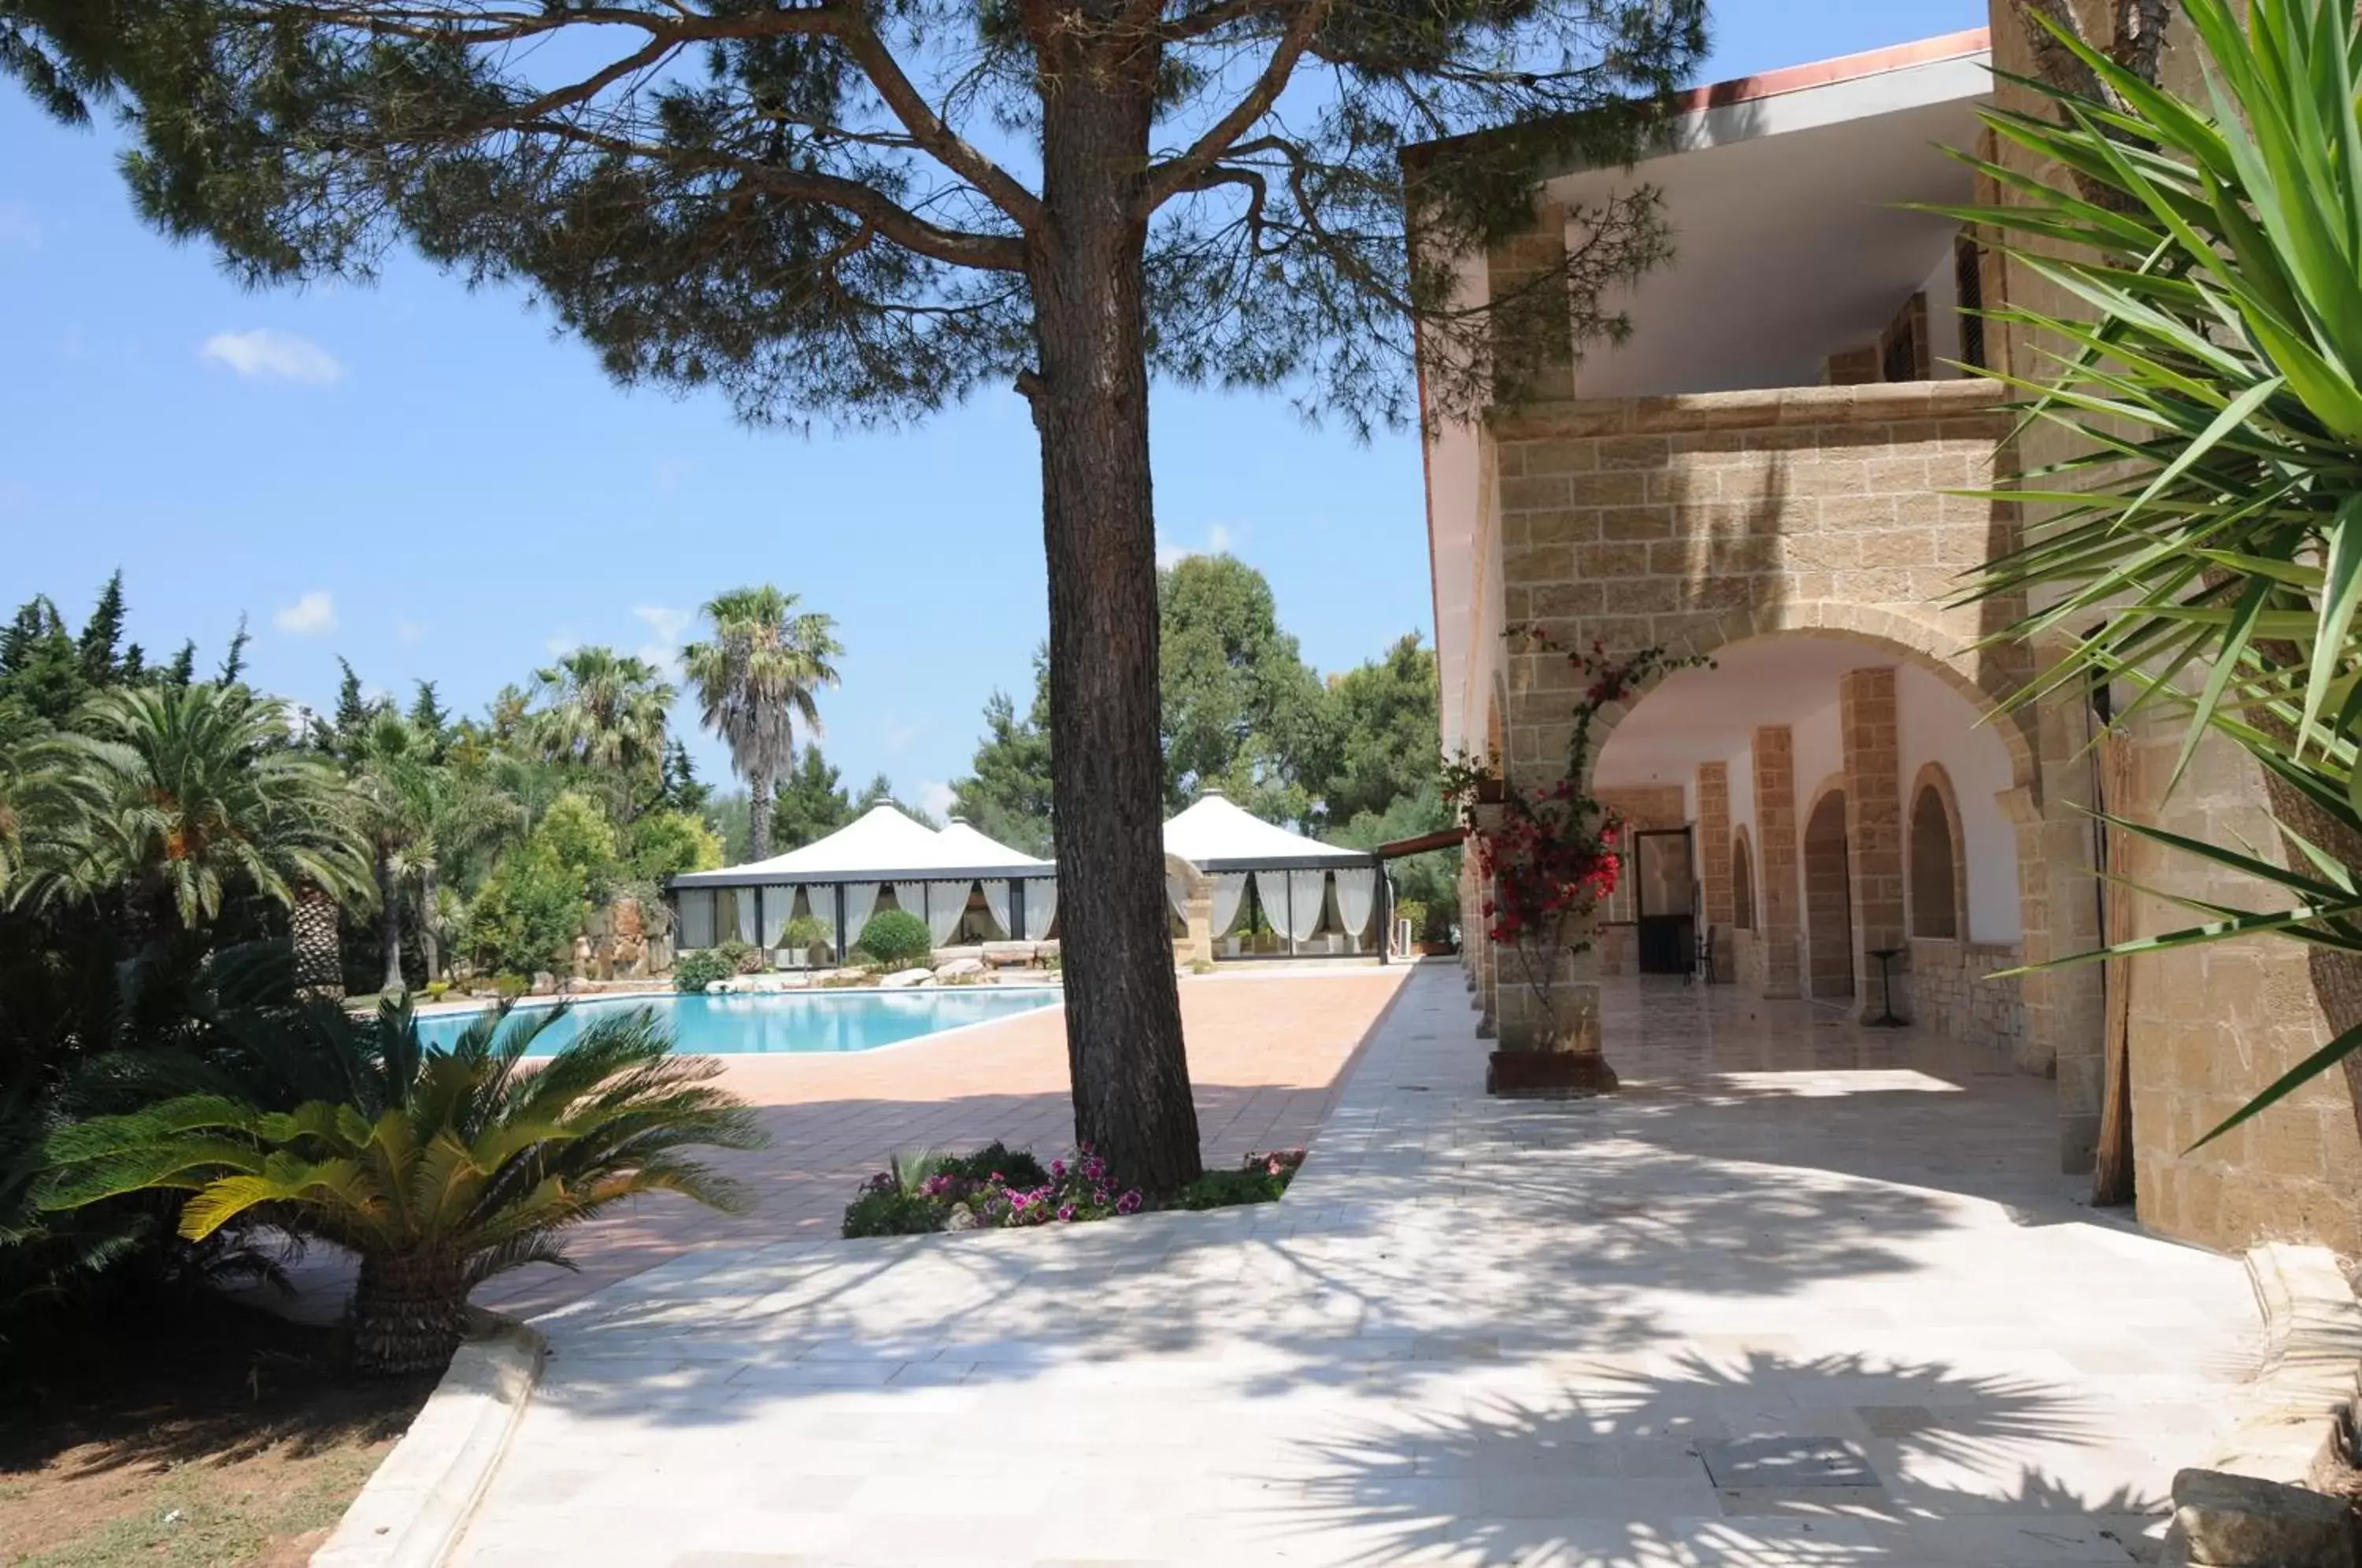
x=1167, y=178
x=929, y=129
x=959, y=247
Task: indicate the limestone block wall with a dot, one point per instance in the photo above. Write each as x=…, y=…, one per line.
x=2212, y=1026
x=1950, y=991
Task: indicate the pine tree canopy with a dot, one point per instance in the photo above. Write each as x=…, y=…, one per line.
x=832, y=208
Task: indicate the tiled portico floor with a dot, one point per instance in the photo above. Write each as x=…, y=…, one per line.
x=1476, y=1332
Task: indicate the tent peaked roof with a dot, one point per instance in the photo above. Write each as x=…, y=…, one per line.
x=970, y=847
x=1215, y=833
x=880, y=845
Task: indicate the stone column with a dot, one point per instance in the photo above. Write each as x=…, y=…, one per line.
x=1721, y=911
x=1775, y=855
x=1872, y=763
x=2066, y=1015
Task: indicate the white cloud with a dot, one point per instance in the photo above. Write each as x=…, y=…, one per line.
x=897, y=734
x=1219, y=538
x=407, y=630
x=309, y=616
x=271, y=354
x=667, y=626
x=561, y=644
x=935, y=799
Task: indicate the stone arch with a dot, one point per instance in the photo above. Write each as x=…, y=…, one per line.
x=1978, y=674
x=1827, y=875
x=1742, y=880
x=1936, y=863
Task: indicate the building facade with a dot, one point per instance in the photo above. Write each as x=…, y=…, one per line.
x=1779, y=470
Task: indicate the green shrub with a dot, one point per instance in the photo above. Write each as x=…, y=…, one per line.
x=743, y=958
x=508, y=988
x=527, y=913
x=995, y=1161
x=804, y=933
x=694, y=972
x=438, y=990
x=666, y=843
x=889, y=1214
x=897, y=939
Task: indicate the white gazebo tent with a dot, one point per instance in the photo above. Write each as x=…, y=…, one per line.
x=838, y=881
x=1320, y=899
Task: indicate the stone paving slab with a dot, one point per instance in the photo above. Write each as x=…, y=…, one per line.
x=1476, y=1332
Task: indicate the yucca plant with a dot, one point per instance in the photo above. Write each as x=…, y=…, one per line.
x=440, y=1168
x=2211, y=520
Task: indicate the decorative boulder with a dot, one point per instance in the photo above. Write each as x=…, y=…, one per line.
x=902, y=979
x=847, y=976
x=960, y=966
x=544, y=983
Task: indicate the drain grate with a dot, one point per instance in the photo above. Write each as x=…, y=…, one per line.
x=1786, y=1463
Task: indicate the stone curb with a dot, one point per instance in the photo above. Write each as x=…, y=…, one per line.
x=414, y=1508
x=2310, y=1371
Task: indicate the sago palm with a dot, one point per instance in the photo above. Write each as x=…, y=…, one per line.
x=440, y=1168
x=757, y=675
x=50, y=803
x=2210, y=520
x=205, y=794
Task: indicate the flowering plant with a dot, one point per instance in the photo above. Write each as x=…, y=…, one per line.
x=1551, y=855
x=996, y=1188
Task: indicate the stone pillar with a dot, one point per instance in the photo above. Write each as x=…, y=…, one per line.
x=1200, y=917
x=1872, y=763
x=1475, y=928
x=2066, y=1018
x=1721, y=911
x=1775, y=855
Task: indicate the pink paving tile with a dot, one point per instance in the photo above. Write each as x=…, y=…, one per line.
x=1267, y=1055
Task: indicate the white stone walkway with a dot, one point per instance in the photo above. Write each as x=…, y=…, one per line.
x=1476, y=1332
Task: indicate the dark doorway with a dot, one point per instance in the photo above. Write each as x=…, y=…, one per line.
x=1664, y=888
x=1828, y=902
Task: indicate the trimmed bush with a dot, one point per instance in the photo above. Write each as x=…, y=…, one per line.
x=897, y=939
x=1000, y=1188
x=695, y=971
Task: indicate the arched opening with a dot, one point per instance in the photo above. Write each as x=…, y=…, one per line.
x=1828, y=902
x=1937, y=875
x=1742, y=881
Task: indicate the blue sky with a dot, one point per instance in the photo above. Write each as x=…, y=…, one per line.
x=432, y=483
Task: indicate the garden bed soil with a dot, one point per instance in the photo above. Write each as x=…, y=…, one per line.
x=207, y=1435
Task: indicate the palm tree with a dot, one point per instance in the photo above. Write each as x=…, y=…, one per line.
x=439, y=1168
x=600, y=710
x=50, y=805
x=755, y=678
x=206, y=793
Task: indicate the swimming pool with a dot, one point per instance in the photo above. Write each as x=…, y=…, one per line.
x=799, y=1022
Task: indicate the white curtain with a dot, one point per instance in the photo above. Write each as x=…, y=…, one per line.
x=996, y=899
x=778, y=903
x=946, y=902
x=1230, y=892
x=1357, y=898
x=1041, y=906
x=860, y=898
x=1177, y=893
x=750, y=916
x=696, y=918
x=1303, y=897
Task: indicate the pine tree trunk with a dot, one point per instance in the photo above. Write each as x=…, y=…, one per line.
x=388, y=922
x=1090, y=404
x=409, y=1314
x=759, y=801
x=430, y=921
x=319, y=956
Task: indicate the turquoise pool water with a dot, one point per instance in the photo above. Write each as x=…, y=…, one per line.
x=790, y=1022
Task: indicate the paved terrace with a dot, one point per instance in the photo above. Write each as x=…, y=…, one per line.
x=1476, y=1332
x=1268, y=1051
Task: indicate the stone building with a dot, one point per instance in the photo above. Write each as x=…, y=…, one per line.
x=1841, y=808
